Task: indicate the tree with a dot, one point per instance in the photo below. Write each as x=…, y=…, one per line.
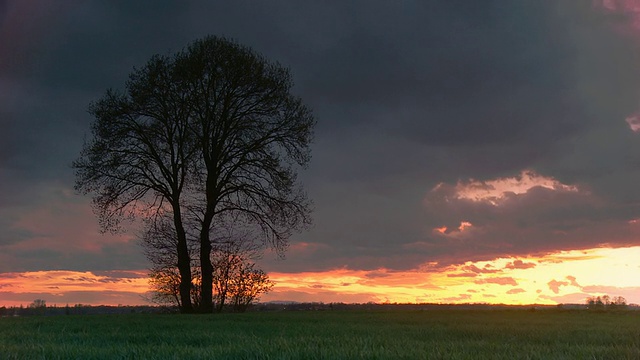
x=619, y=300
x=250, y=132
x=226, y=262
x=605, y=302
x=248, y=285
x=38, y=306
x=235, y=276
x=595, y=303
x=212, y=131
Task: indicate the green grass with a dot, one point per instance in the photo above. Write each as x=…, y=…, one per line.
x=430, y=334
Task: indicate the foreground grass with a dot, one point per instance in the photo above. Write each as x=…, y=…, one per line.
x=431, y=334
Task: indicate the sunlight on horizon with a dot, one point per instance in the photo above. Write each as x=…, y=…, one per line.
x=562, y=277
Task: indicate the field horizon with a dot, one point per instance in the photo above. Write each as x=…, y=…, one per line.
x=276, y=306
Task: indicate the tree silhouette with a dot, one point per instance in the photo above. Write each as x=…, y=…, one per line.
x=212, y=131
x=235, y=276
x=248, y=285
x=605, y=302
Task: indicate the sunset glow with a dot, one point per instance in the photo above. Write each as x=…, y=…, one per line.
x=71, y=287
x=501, y=167
x=563, y=277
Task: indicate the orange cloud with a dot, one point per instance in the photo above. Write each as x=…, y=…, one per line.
x=572, y=280
x=467, y=274
x=453, y=231
x=499, y=281
x=519, y=264
x=56, y=284
x=494, y=191
x=429, y=283
x=459, y=298
x=485, y=270
x=516, y=291
x=555, y=285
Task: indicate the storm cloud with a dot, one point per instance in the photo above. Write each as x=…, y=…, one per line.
x=414, y=101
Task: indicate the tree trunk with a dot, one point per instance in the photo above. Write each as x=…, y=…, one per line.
x=221, y=303
x=184, y=263
x=206, y=267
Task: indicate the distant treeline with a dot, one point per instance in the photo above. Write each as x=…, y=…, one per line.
x=77, y=309
x=39, y=308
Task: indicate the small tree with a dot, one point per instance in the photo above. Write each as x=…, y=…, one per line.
x=618, y=303
x=233, y=250
x=165, y=286
x=38, y=306
x=605, y=302
x=248, y=286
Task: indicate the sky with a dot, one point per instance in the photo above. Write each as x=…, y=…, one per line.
x=465, y=151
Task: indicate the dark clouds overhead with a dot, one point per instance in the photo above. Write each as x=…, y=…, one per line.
x=407, y=95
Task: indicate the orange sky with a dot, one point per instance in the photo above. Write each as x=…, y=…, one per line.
x=557, y=277
x=563, y=277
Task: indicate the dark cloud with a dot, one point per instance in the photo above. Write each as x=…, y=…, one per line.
x=538, y=221
x=407, y=95
x=477, y=270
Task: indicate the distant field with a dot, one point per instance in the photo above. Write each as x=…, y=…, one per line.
x=429, y=334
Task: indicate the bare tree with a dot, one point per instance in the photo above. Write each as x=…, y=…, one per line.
x=251, y=132
x=248, y=285
x=618, y=302
x=212, y=131
x=226, y=261
x=38, y=306
x=165, y=286
x=234, y=249
x=605, y=302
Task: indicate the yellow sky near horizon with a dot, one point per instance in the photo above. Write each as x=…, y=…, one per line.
x=562, y=277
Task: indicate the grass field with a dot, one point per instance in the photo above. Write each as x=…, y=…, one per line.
x=429, y=334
